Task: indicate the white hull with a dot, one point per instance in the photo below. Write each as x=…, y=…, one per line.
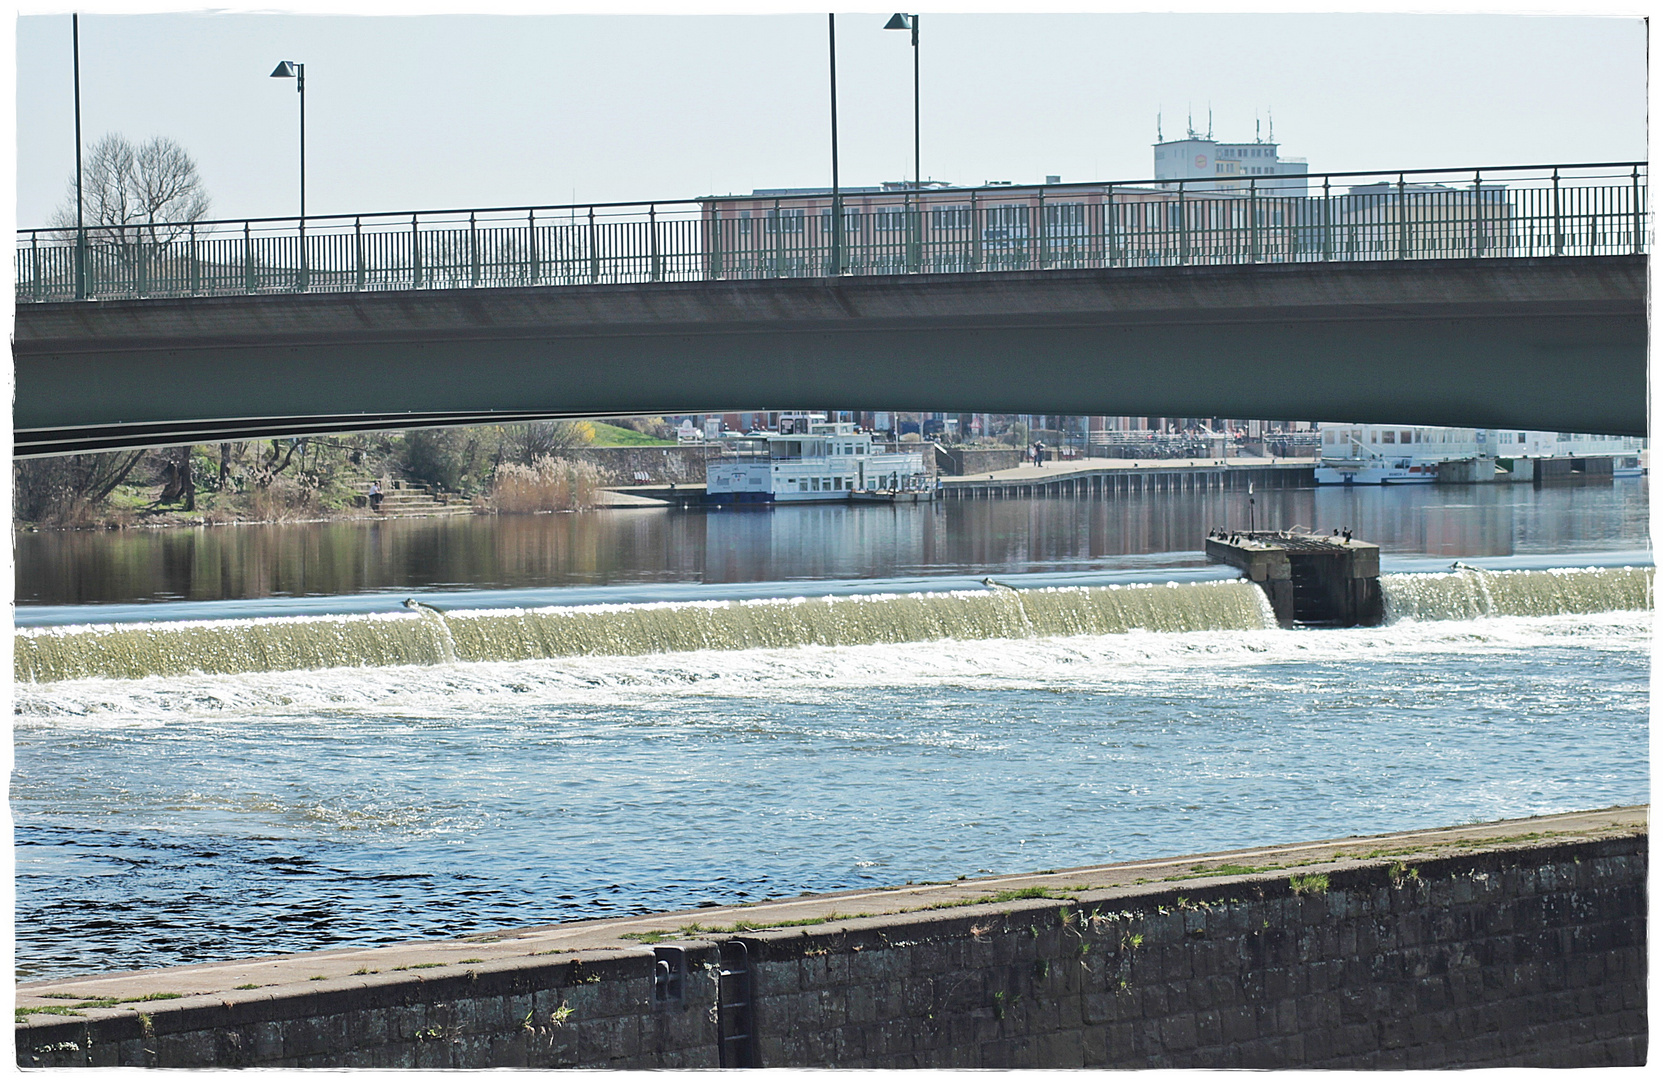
x=1378, y=474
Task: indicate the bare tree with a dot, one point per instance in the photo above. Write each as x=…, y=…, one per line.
x=525, y=443
x=146, y=194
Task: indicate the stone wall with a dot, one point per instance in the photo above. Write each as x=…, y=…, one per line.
x=1529, y=952
x=662, y=464
x=974, y=461
x=1474, y=962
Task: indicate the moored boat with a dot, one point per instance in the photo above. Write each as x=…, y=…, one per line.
x=831, y=462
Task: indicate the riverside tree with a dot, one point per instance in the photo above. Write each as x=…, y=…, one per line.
x=136, y=201
x=147, y=193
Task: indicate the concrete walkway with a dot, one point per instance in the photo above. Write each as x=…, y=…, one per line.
x=231, y=982
x=1052, y=470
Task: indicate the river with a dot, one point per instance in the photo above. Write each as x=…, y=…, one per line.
x=192, y=817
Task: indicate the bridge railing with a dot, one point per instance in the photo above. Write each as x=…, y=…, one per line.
x=1507, y=212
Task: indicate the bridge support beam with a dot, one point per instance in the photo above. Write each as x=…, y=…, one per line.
x=1551, y=344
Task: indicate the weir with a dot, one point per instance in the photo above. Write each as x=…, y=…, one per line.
x=426, y=636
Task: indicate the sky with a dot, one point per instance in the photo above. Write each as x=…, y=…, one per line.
x=451, y=111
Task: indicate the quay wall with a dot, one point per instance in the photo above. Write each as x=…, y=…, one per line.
x=1527, y=952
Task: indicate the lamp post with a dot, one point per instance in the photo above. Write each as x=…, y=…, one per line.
x=80, y=213
x=288, y=69
x=915, y=231
x=899, y=21
x=837, y=193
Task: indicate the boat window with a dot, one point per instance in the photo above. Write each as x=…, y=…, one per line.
x=1374, y=436
x=1409, y=437
x=1386, y=437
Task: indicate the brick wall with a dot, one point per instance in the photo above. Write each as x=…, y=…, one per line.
x=1531, y=955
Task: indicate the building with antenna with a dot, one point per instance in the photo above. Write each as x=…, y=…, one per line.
x=1232, y=166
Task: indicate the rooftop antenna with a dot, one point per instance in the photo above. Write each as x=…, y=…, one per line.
x=1158, y=136
x=1209, y=120
x=1256, y=126
x=1189, y=119
x=1272, y=117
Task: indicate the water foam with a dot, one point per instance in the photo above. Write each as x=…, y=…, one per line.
x=425, y=638
x=1472, y=593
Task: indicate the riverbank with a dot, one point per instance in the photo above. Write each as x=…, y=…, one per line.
x=1517, y=942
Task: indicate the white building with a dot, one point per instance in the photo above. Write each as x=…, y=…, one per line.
x=1232, y=165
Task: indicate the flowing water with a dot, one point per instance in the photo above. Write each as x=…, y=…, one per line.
x=206, y=788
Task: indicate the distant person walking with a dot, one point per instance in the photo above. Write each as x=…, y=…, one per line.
x=1039, y=454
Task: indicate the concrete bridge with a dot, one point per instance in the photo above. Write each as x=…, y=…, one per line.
x=1551, y=343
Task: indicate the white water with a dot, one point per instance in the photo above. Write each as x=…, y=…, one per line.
x=425, y=637
x=173, y=819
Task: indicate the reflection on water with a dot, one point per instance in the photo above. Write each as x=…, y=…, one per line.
x=801, y=542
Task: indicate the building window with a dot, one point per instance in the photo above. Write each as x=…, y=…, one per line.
x=889, y=219
x=1013, y=220
x=1065, y=219
x=744, y=223
x=789, y=220
x=950, y=217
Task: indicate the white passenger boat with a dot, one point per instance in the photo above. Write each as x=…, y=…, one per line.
x=1399, y=454
x=827, y=464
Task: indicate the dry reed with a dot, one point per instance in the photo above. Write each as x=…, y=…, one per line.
x=547, y=484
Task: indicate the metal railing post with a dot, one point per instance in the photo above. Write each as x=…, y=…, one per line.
x=1044, y=237
x=81, y=263
x=779, y=241
x=1558, y=227
x=473, y=252
x=1402, y=218
x=1183, y=228
x=975, y=237
x=1327, y=223
x=1253, y=220
x=415, y=252
x=534, y=271
x=1639, y=219
x=358, y=245
x=594, y=251
x=305, y=276
x=652, y=228
x=1109, y=234
x=196, y=264
x=34, y=258
x=1475, y=242
x=248, y=258
x=713, y=243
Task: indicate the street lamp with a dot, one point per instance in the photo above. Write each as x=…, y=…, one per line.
x=288, y=69
x=80, y=202
x=899, y=21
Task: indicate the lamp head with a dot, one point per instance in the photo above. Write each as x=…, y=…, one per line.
x=283, y=70
x=898, y=21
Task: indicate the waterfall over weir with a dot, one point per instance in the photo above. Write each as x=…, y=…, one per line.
x=1469, y=593
x=424, y=637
